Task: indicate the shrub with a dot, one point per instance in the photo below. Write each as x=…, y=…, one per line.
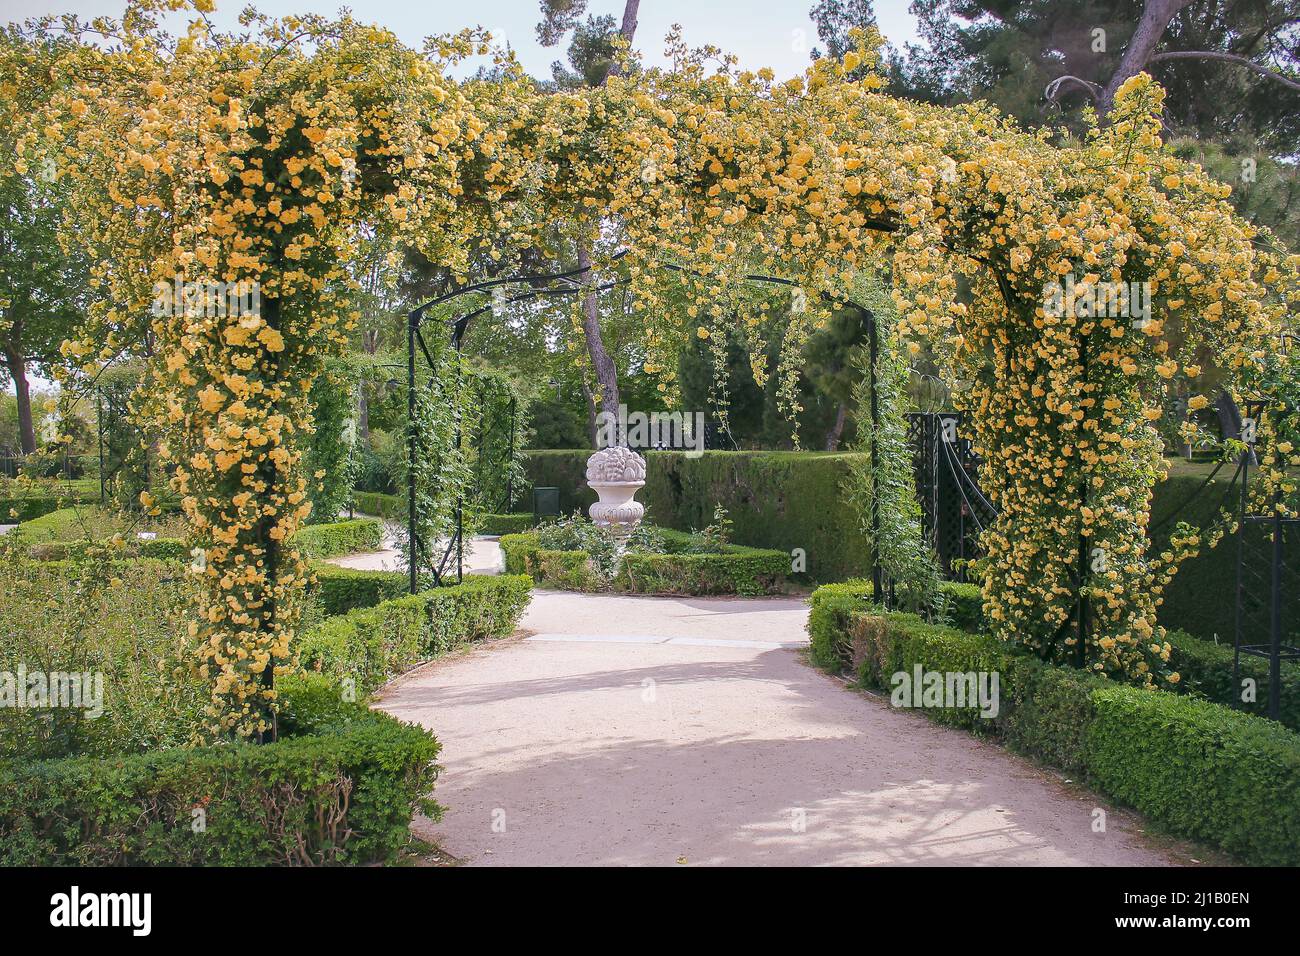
x=93, y=523
x=1194, y=767
x=735, y=570
x=371, y=645
x=378, y=504
x=1206, y=669
x=507, y=524
x=340, y=538
x=107, y=617
x=1200, y=769
x=340, y=590
x=163, y=549
x=341, y=789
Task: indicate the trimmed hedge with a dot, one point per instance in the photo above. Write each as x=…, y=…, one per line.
x=516, y=523
x=780, y=500
x=834, y=604
x=788, y=500
x=372, y=645
x=30, y=508
x=1194, y=767
x=345, y=589
x=1206, y=669
x=340, y=538
x=378, y=504
x=164, y=549
x=736, y=570
x=340, y=786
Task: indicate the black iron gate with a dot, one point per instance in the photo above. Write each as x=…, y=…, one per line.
x=954, y=511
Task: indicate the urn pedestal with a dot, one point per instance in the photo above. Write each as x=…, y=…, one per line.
x=616, y=474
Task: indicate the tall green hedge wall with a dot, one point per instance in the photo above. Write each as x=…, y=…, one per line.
x=789, y=500
x=781, y=500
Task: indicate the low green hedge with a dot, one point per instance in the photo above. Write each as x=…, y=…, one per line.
x=345, y=589
x=779, y=500
x=378, y=504
x=340, y=786
x=516, y=523
x=1194, y=767
x=834, y=604
x=735, y=570
x=1206, y=669
x=340, y=538
x=371, y=645
x=166, y=549
x=29, y=508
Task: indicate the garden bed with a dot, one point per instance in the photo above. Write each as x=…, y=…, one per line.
x=731, y=569
x=340, y=786
x=129, y=787
x=1194, y=767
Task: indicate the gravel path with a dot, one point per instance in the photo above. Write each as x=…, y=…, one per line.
x=658, y=731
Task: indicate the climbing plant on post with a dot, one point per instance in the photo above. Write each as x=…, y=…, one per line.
x=237, y=174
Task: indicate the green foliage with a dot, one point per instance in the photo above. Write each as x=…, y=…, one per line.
x=682, y=569
x=98, y=615
x=1200, y=769
x=378, y=504
x=881, y=487
x=780, y=500
x=92, y=523
x=507, y=524
x=370, y=645
x=1206, y=670
x=733, y=570
x=1194, y=767
x=332, y=461
x=341, y=789
x=576, y=533
x=340, y=538
x=340, y=590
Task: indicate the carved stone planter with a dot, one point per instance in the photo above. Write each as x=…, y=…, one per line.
x=616, y=474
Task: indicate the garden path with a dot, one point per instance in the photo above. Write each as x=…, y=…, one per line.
x=642, y=730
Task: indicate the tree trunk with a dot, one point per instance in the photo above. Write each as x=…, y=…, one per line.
x=22, y=389
x=833, y=436
x=1156, y=15
x=606, y=371
x=591, y=413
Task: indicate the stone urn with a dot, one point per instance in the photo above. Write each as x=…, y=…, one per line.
x=616, y=474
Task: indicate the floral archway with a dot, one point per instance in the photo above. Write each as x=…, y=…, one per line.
x=260, y=159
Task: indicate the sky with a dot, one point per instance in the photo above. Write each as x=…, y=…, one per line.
x=774, y=33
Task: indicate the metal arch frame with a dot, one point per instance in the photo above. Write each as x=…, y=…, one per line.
x=460, y=325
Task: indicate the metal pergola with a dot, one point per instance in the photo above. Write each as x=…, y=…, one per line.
x=565, y=283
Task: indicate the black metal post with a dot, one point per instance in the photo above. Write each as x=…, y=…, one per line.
x=1243, y=471
x=873, y=357
x=510, y=456
x=99, y=427
x=1275, y=618
x=460, y=499
x=412, y=324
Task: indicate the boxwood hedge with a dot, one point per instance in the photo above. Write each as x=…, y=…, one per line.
x=1194, y=767
x=734, y=570
x=340, y=786
x=370, y=645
